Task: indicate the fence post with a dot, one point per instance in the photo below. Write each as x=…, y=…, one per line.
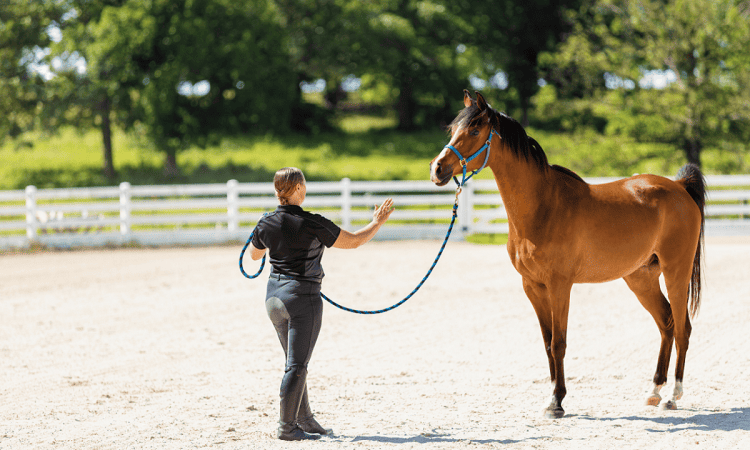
x=346, y=204
x=31, y=220
x=125, y=209
x=466, y=206
x=233, y=208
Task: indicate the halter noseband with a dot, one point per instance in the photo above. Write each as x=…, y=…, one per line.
x=465, y=161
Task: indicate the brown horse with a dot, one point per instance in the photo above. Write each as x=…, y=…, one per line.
x=565, y=231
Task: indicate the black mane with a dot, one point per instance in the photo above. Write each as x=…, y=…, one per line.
x=512, y=133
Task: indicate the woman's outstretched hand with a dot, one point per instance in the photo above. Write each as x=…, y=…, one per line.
x=363, y=235
x=383, y=212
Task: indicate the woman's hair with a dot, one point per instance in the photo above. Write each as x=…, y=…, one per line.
x=285, y=181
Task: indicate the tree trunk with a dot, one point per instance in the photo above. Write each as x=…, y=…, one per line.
x=692, y=148
x=108, y=167
x=170, y=164
x=405, y=105
x=524, y=110
x=334, y=96
x=692, y=144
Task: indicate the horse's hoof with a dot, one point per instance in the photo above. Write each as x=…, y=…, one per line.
x=654, y=400
x=669, y=405
x=554, y=413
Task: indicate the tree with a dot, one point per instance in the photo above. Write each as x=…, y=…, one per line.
x=416, y=47
x=512, y=35
x=87, y=99
x=23, y=34
x=405, y=49
x=701, y=44
x=183, y=72
x=321, y=34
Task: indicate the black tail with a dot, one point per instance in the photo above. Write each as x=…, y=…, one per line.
x=691, y=177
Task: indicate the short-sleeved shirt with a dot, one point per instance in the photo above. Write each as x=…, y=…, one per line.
x=295, y=240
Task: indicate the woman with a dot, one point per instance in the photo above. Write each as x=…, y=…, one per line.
x=295, y=240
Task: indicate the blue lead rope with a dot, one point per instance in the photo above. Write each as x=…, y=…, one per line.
x=394, y=306
x=242, y=253
x=464, y=162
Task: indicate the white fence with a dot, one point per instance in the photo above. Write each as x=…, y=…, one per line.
x=217, y=213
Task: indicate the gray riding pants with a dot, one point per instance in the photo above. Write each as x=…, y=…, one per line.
x=296, y=311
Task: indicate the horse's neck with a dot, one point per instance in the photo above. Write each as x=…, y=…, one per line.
x=523, y=187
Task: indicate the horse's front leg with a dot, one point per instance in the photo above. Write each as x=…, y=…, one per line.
x=537, y=294
x=559, y=297
x=550, y=315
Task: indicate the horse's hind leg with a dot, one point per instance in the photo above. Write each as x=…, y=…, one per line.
x=644, y=283
x=677, y=275
x=677, y=289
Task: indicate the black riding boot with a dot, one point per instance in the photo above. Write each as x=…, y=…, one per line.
x=292, y=388
x=306, y=419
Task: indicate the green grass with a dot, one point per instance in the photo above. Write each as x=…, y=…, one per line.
x=71, y=159
x=488, y=239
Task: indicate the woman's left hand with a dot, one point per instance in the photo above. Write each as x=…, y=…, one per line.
x=383, y=212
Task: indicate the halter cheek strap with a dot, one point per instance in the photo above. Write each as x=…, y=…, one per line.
x=465, y=161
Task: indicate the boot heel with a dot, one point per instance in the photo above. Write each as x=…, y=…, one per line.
x=291, y=432
x=310, y=425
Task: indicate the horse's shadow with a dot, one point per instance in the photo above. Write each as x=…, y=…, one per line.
x=732, y=420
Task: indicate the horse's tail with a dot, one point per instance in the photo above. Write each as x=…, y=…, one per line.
x=691, y=178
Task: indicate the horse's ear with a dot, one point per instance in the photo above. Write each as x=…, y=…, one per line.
x=467, y=98
x=481, y=102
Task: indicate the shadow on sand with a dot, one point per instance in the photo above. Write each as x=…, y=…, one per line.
x=431, y=439
x=731, y=420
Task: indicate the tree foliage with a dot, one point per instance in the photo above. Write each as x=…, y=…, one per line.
x=182, y=71
x=701, y=44
x=413, y=47
x=512, y=34
x=404, y=51
x=23, y=38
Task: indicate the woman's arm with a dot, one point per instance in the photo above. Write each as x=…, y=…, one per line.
x=256, y=253
x=362, y=236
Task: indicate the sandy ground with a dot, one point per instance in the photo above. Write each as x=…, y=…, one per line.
x=172, y=349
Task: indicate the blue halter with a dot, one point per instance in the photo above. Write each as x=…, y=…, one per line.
x=465, y=161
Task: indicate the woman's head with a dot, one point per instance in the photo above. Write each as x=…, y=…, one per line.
x=286, y=181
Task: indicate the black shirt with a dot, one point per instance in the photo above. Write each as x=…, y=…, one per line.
x=295, y=240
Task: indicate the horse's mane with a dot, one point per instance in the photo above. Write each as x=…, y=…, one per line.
x=513, y=133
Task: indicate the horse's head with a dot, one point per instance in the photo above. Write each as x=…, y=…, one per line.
x=470, y=130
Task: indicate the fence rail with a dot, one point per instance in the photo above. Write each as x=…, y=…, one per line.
x=216, y=213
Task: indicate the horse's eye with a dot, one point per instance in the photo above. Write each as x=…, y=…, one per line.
x=474, y=132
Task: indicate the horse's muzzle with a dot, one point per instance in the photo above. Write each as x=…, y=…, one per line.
x=440, y=174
